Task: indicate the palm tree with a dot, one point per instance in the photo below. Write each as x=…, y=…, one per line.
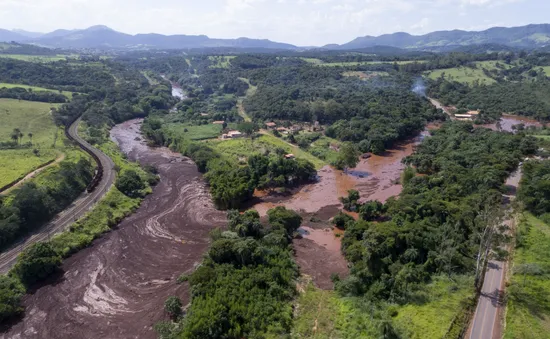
x=15, y=134
x=30, y=137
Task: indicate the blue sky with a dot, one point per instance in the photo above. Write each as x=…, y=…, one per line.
x=301, y=22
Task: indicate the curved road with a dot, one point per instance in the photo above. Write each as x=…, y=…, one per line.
x=72, y=213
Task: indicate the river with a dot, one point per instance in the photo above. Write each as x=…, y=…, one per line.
x=117, y=287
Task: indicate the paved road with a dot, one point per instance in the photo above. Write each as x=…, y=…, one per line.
x=486, y=320
x=76, y=210
x=487, y=324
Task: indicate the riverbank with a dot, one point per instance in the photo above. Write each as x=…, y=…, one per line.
x=117, y=287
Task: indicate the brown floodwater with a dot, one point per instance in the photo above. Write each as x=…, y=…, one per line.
x=507, y=121
x=117, y=287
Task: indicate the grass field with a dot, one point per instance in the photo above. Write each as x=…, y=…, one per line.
x=546, y=70
x=324, y=314
x=462, y=74
x=433, y=318
x=29, y=117
x=492, y=64
x=220, y=61
x=194, y=132
x=37, y=58
x=36, y=89
x=249, y=92
x=528, y=315
x=243, y=148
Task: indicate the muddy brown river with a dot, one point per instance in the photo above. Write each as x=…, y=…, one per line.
x=117, y=287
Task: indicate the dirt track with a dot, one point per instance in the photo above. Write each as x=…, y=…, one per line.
x=117, y=287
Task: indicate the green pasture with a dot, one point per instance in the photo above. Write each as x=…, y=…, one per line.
x=28, y=117
x=69, y=95
x=462, y=74
x=528, y=314
x=245, y=147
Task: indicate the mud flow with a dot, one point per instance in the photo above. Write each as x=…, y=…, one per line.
x=117, y=287
x=508, y=121
x=377, y=178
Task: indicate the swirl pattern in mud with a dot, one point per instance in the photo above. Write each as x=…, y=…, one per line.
x=117, y=287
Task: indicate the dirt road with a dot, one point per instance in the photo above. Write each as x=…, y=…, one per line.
x=486, y=323
x=117, y=287
x=32, y=174
x=76, y=210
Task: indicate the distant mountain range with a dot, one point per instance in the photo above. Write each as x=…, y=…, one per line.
x=107, y=38
x=102, y=37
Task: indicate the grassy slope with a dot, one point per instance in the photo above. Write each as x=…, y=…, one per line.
x=29, y=117
x=237, y=148
x=221, y=61
x=546, y=70
x=37, y=89
x=323, y=314
x=36, y=58
x=528, y=313
x=462, y=74
x=433, y=318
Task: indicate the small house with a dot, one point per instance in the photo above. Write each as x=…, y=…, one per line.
x=204, y=114
x=218, y=122
x=234, y=134
x=463, y=117
x=270, y=124
x=473, y=113
x=290, y=156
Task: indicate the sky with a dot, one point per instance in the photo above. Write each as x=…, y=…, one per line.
x=300, y=22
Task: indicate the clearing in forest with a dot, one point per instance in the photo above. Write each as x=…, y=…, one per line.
x=462, y=74
x=69, y=95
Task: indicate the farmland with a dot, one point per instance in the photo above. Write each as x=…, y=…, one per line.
x=28, y=117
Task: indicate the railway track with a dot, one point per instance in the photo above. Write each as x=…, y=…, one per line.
x=103, y=180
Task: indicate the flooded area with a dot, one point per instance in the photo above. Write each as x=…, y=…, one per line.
x=377, y=178
x=117, y=287
x=318, y=254
x=508, y=121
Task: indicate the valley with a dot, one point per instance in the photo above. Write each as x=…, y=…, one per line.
x=242, y=194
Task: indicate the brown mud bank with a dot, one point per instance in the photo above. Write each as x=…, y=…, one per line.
x=318, y=251
x=117, y=287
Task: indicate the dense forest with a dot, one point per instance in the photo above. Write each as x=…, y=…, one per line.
x=436, y=224
x=534, y=189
